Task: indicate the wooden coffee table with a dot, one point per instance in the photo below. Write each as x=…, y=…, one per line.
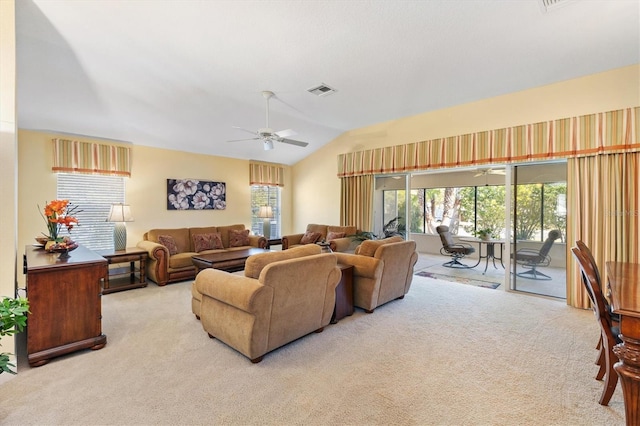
x=230, y=261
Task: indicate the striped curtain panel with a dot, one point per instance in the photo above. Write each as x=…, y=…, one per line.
x=604, y=213
x=356, y=202
x=613, y=131
x=266, y=174
x=91, y=158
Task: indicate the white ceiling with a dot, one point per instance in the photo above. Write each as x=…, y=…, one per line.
x=180, y=74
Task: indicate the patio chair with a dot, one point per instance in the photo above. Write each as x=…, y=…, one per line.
x=533, y=259
x=455, y=250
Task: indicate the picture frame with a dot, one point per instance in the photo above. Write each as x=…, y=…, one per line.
x=196, y=194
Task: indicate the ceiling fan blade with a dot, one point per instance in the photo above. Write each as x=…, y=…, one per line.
x=241, y=140
x=292, y=142
x=286, y=133
x=244, y=130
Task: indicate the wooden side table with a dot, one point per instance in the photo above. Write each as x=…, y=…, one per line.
x=344, y=294
x=125, y=277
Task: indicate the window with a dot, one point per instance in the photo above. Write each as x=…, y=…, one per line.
x=265, y=196
x=93, y=194
x=541, y=207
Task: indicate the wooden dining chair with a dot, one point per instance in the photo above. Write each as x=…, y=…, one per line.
x=609, y=333
x=615, y=318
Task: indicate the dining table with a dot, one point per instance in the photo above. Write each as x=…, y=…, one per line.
x=624, y=292
x=489, y=252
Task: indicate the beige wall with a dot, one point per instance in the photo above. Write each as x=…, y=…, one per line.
x=145, y=190
x=8, y=155
x=320, y=203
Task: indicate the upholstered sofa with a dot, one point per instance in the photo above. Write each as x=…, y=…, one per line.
x=170, y=250
x=281, y=297
x=383, y=270
x=337, y=237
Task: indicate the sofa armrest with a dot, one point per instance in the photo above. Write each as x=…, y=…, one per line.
x=291, y=240
x=156, y=251
x=363, y=266
x=342, y=244
x=246, y=294
x=158, y=263
x=257, y=241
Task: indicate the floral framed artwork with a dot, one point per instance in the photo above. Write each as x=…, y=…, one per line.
x=196, y=194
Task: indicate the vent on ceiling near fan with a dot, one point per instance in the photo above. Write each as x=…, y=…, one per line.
x=321, y=90
x=549, y=5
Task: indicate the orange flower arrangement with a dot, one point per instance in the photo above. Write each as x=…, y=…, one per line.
x=57, y=214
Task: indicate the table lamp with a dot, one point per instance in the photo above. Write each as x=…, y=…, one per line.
x=119, y=214
x=266, y=213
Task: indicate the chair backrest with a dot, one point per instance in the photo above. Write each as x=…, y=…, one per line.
x=399, y=259
x=546, y=246
x=594, y=290
x=445, y=236
x=587, y=252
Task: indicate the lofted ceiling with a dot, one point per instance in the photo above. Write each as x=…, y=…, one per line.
x=181, y=74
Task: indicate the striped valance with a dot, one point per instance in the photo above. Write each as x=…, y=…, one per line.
x=91, y=158
x=266, y=174
x=613, y=131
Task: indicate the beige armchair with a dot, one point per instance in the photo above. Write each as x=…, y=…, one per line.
x=383, y=271
x=288, y=299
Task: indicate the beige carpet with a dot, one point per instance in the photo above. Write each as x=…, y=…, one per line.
x=445, y=355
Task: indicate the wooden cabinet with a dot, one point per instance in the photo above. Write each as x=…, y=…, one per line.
x=64, y=296
x=344, y=294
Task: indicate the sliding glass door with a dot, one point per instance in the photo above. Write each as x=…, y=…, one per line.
x=539, y=228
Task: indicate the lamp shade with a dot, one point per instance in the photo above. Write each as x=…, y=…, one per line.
x=265, y=212
x=120, y=213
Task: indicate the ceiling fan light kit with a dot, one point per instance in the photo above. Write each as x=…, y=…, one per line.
x=267, y=135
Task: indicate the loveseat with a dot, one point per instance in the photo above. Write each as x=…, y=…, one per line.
x=170, y=250
x=281, y=297
x=338, y=237
x=383, y=270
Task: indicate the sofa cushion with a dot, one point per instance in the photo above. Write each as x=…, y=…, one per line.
x=180, y=236
x=169, y=242
x=209, y=241
x=199, y=230
x=310, y=237
x=333, y=235
x=257, y=262
x=348, y=230
x=181, y=260
x=314, y=227
x=224, y=233
x=238, y=238
x=369, y=247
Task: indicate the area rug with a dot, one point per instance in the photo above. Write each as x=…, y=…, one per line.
x=461, y=280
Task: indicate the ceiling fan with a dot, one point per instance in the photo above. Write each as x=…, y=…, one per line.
x=267, y=135
x=485, y=172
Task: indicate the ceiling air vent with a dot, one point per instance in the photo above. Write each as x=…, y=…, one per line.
x=550, y=5
x=321, y=90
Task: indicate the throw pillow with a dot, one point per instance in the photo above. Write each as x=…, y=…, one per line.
x=169, y=243
x=203, y=242
x=310, y=237
x=238, y=238
x=335, y=235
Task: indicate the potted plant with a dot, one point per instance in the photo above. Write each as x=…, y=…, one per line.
x=13, y=319
x=484, y=234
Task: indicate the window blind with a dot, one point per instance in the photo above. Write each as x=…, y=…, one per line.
x=93, y=194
